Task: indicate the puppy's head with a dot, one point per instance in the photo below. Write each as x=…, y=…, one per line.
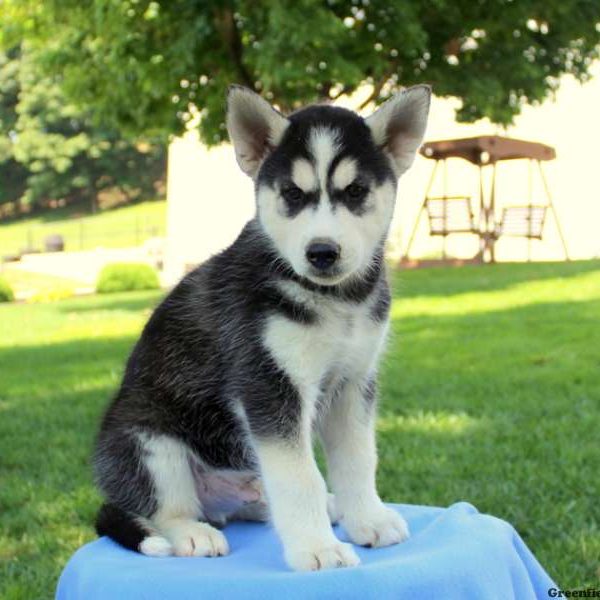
x=325, y=177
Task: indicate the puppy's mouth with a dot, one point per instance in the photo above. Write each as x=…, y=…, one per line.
x=331, y=276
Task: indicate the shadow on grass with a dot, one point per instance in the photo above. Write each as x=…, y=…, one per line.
x=500, y=409
x=481, y=278
x=33, y=374
x=123, y=301
x=540, y=346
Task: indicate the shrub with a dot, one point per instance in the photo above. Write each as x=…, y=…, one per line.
x=51, y=294
x=126, y=277
x=6, y=293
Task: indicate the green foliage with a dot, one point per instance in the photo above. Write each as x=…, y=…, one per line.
x=13, y=175
x=51, y=151
x=145, y=66
x=127, y=277
x=6, y=292
x=489, y=394
x=52, y=294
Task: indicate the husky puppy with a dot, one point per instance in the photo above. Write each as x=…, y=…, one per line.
x=275, y=338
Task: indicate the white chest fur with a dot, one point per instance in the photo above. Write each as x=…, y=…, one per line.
x=345, y=342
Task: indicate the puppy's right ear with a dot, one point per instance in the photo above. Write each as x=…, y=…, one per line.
x=254, y=127
x=398, y=125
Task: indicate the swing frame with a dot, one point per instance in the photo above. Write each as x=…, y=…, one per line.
x=483, y=152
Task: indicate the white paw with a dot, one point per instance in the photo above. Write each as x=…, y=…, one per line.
x=332, y=511
x=379, y=527
x=190, y=538
x=331, y=556
x=155, y=545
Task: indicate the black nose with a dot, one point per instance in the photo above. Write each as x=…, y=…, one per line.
x=322, y=254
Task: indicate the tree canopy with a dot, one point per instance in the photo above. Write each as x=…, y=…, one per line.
x=146, y=66
x=50, y=151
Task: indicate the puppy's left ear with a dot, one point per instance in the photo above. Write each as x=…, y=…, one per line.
x=398, y=125
x=254, y=127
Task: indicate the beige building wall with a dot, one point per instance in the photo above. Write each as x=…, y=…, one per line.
x=208, y=202
x=571, y=124
x=209, y=199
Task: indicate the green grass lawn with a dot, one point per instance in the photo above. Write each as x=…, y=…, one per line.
x=490, y=394
x=114, y=228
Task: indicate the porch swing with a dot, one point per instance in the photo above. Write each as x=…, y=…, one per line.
x=451, y=214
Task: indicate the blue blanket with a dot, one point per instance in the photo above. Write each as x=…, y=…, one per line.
x=453, y=553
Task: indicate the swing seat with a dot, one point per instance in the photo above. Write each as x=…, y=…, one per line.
x=450, y=214
x=522, y=221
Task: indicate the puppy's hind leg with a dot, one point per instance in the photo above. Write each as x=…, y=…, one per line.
x=178, y=507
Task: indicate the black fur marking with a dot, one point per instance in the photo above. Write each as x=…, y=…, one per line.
x=370, y=392
x=354, y=137
x=295, y=205
x=120, y=526
x=381, y=308
x=355, y=141
x=355, y=205
x=291, y=309
x=356, y=290
x=272, y=403
x=126, y=483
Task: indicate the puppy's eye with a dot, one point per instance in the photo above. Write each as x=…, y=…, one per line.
x=295, y=199
x=355, y=191
x=294, y=196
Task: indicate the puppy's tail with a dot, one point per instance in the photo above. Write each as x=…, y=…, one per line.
x=128, y=531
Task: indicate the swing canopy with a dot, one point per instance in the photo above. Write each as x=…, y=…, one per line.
x=487, y=149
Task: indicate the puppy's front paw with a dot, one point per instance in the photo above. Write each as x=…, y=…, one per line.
x=331, y=556
x=191, y=538
x=378, y=527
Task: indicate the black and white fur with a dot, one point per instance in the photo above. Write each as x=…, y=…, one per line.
x=260, y=347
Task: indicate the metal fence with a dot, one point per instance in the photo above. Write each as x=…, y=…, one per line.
x=81, y=234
